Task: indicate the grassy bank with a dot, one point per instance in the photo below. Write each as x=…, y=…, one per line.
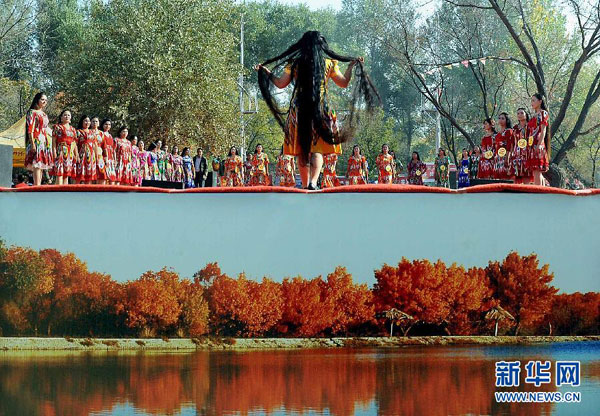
x=97, y=344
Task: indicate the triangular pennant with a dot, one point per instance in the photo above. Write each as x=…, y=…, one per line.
x=465, y=63
x=482, y=60
x=449, y=66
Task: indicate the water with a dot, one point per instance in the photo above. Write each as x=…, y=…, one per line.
x=405, y=381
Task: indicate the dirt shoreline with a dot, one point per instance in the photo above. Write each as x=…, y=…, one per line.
x=239, y=344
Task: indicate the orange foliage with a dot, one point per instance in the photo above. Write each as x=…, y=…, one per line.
x=194, y=316
x=576, y=314
x=522, y=287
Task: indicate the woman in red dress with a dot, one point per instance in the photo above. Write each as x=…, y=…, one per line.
x=124, y=158
x=416, y=169
x=357, y=166
x=98, y=137
x=38, y=155
x=385, y=166
x=108, y=153
x=488, y=150
x=503, y=147
x=259, y=175
x=519, y=169
x=539, y=139
x=88, y=150
x=329, y=179
x=64, y=145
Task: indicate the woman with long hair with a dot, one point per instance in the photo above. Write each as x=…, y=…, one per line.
x=286, y=170
x=385, y=165
x=310, y=124
x=463, y=169
x=539, y=139
x=135, y=162
x=88, y=152
x=519, y=170
x=416, y=169
x=144, y=163
x=177, y=162
x=329, y=179
x=503, y=147
x=442, y=168
x=124, y=158
x=98, y=138
x=357, y=166
x=64, y=143
x=108, y=152
x=234, y=169
x=474, y=160
x=168, y=157
x=153, y=158
x=488, y=150
x=188, y=168
x=38, y=156
x=259, y=176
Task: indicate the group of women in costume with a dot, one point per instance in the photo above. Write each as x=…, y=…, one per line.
x=90, y=154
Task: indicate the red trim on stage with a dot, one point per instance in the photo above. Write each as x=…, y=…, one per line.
x=341, y=189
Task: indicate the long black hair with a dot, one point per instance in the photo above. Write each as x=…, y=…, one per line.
x=547, y=136
x=508, y=124
x=36, y=99
x=525, y=111
x=306, y=59
x=80, y=124
x=490, y=121
x=61, y=114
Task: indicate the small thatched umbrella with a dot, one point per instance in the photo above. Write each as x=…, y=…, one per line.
x=395, y=315
x=498, y=313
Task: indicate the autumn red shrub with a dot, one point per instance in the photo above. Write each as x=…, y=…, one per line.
x=576, y=314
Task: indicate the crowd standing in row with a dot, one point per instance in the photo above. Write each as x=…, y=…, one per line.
x=90, y=154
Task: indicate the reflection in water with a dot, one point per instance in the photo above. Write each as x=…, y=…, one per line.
x=407, y=381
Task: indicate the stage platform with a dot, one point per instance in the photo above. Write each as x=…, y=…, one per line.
x=279, y=232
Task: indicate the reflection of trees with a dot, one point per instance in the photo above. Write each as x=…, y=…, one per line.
x=415, y=382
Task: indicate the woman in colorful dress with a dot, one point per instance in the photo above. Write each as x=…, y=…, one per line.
x=357, y=166
x=163, y=158
x=38, y=155
x=234, y=169
x=188, y=168
x=474, y=165
x=98, y=137
x=144, y=163
x=398, y=167
x=539, y=139
x=135, y=162
x=385, y=165
x=416, y=169
x=442, y=168
x=519, y=170
x=286, y=170
x=108, y=152
x=247, y=169
x=330, y=178
x=124, y=158
x=310, y=125
x=64, y=141
x=488, y=150
x=177, y=163
x=88, y=152
x=168, y=164
x=503, y=142
x=463, y=169
x=153, y=158
x=259, y=176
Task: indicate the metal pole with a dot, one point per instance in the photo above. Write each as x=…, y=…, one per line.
x=241, y=82
x=438, y=132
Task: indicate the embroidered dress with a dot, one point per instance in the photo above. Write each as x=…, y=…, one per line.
x=442, y=167
x=145, y=167
x=486, y=163
x=153, y=165
x=537, y=158
x=285, y=171
x=65, y=165
x=474, y=166
x=39, y=145
x=188, y=171
x=416, y=170
x=135, y=165
x=177, y=168
x=356, y=170
x=162, y=164
x=463, y=173
x=247, y=172
x=100, y=163
x=169, y=171
x=108, y=153
x=124, y=157
x=233, y=172
x=259, y=174
x=329, y=179
x=503, y=143
x=519, y=150
x=87, y=166
x=386, y=168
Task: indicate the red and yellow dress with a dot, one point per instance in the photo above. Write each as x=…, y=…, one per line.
x=537, y=158
x=385, y=165
x=124, y=158
x=233, y=172
x=39, y=146
x=502, y=145
x=110, y=162
x=518, y=155
x=486, y=163
x=356, y=170
x=259, y=175
x=330, y=179
x=100, y=164
x=86, y=168
x=285, y=171
x=416, y=169
x=291, y=144
x=65, y=165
